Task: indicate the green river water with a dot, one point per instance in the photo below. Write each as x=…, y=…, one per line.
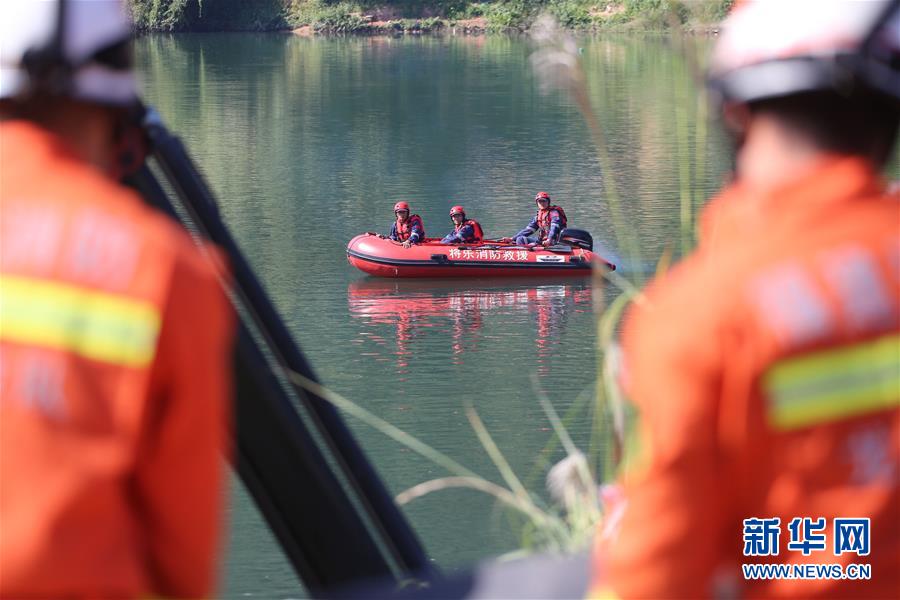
x=308, y=142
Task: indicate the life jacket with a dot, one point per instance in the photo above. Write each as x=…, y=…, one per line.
x=544, y=219
x=404, y=230
x=114, y=351
x=801, y=324
x=476, y=229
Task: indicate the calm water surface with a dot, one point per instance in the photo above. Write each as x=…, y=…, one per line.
x=308, y=142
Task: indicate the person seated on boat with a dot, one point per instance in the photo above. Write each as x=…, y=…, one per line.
x=408, y=229
x=465, y=231
x=545, y=227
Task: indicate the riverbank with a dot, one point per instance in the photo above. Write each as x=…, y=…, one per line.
x=398, y=17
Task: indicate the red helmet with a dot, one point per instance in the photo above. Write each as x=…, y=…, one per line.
x=542, y=196
x=401, y=206
x=457, y=210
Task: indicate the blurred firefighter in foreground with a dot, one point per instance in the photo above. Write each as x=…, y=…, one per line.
x=115, y=334
x=766, y=367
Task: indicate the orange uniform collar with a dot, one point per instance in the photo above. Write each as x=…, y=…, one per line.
x=741, y=209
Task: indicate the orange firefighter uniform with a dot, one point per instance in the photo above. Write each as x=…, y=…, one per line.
x=114, y=342
x=766, y=370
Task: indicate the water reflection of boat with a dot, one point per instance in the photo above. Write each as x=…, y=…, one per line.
x=411, y=308
x=385, y=258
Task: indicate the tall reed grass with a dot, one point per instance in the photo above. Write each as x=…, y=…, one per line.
x=564, y=527
x=558, y=66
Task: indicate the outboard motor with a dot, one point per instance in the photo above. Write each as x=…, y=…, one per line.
x=577, y=237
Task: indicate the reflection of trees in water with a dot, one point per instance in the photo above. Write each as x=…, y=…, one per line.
x=648, y=106
x=389, y=313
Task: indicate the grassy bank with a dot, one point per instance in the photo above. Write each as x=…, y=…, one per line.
x=420, y=16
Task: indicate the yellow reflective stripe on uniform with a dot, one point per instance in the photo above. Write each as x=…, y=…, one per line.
x=96, y=325
x=834, y=384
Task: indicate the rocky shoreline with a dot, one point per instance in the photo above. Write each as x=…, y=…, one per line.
x=474, y=26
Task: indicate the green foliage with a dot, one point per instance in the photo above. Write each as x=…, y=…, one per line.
x=343, y=17
x=653, y=15
x=430, y=24
x=520, y=14
x=418, y=25
x=349, y=16
x=511, y=14
x=208, y=15
x=710, y=11
x=570, y=13
x=304, y=12
x=258, y=15
x=659, y=15
x=467, y=10
x=160, y=15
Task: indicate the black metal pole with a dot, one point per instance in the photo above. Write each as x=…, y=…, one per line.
x=396, y=536
x=308, y=511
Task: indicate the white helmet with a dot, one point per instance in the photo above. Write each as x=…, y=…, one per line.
x=75, y=48
x=773, y=48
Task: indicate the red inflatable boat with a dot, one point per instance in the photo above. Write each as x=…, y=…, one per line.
x=385, y=258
